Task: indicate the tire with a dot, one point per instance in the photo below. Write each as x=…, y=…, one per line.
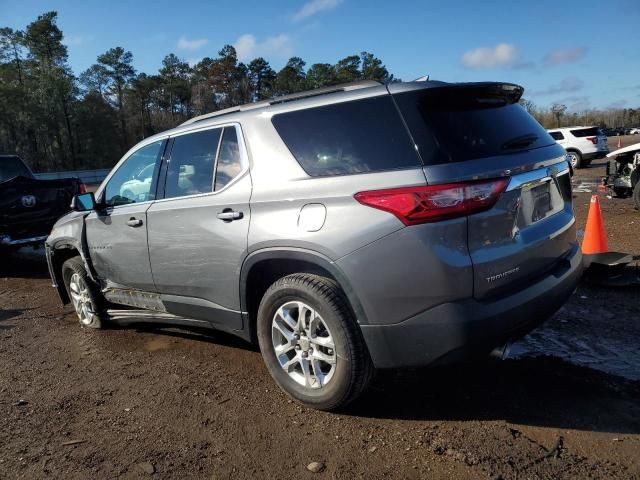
x=334, y=325
x=575, y=159
x=85, y=296
x=636, y=195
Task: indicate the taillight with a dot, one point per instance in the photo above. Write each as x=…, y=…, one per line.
x=82, y=188
x=432, y=203
x=593, y=140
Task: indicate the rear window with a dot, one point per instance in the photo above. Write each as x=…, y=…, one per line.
x=12, y=167
x=458, y=124
x=346, y=138
x=586, y=132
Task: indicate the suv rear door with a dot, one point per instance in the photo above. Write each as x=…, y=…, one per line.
x=198, y=230
x=468, y=132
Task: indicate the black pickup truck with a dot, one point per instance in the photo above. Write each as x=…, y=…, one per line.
x=29, y=207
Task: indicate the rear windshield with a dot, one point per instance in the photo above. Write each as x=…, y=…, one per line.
x=346, y=138
x=458, y=124
x=586, y=132
x=12, y=167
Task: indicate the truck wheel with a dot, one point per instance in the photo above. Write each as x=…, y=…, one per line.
x=636, y=195
x=311, y=343
x=575, y=159
x=84, y=294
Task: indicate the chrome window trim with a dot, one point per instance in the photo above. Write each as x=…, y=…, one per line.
x=538, y=176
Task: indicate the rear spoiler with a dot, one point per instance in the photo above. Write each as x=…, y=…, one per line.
x=459, y=94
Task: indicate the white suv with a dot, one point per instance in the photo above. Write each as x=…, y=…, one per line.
x=583, y=144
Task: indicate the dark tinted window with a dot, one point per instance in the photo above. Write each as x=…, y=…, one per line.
x=556, y=135
x=133, y=181
x=457, y=124
x=229, y=161
x=345, y=138
x=586, y=132
x=190, y=169
x=12, y=167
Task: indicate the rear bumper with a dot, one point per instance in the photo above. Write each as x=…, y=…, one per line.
x=454, y=331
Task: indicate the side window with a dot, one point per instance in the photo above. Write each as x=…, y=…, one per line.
x=190, y=169
x=229, y=162
x=557, y=135
x=133, y=181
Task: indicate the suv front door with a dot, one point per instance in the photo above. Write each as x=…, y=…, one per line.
x=198, y=232
x=117, y=231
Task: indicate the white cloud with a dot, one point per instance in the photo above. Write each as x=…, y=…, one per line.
x=565, y=55
x=247, y=47
x=503, y=54
x=566, y=85
x=185, y=44
x=309, y=9
x=76, y=40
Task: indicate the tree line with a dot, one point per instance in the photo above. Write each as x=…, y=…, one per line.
x=57, y=121
x=558, y=115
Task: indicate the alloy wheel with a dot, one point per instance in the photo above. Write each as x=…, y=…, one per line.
x=81, y=299
x=303, y=345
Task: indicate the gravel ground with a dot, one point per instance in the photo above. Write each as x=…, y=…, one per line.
x=170, y=403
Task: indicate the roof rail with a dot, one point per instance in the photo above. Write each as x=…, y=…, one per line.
x=345, y=87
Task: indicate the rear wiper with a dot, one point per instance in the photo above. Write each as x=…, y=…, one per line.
x=519, y=142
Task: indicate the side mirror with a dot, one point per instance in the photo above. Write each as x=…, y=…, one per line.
x=84, y=202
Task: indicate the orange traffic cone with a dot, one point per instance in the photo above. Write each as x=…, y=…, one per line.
x=619, y=142
x=595, y=238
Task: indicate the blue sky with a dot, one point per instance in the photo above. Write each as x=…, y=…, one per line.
x=583, y=53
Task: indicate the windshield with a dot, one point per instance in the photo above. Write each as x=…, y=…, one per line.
x=458, y=124
x=12, y=167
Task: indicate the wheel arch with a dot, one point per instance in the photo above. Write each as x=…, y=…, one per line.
x=59, y=252
x=261, y=268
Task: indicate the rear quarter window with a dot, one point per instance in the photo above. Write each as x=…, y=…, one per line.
x=556, y=135
x=348, y=138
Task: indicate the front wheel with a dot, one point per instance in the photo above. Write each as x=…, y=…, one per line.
x=84, y=295
x=311, y=343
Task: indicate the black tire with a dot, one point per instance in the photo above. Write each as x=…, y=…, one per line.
x=353, y=367
x=575, y=159
x=95, y=300
x=636, y=195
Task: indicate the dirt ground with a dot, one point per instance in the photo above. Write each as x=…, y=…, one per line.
x=157, y=402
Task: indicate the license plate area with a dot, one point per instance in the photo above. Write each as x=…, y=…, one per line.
x=539, y=201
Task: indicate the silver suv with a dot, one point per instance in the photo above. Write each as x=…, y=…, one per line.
x=344, y=229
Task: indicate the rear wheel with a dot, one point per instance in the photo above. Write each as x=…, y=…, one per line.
x=575, y=159
x=84, y=294
x=310, y=342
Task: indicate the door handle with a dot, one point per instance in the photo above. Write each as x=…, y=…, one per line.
x=134, y=222
x=228, y=215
